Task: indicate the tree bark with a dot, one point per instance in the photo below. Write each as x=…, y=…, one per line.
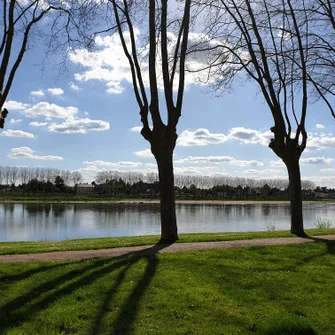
x=167, y=197
x=293, y=169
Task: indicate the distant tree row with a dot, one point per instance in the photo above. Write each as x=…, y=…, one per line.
x=14, y=175
x=202, y=182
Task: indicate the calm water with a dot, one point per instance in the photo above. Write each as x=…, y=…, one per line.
x=37, y=222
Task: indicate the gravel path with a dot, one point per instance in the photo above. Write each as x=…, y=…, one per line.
x=158, y=248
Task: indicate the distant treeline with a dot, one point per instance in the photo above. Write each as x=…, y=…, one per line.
x=20, y=175
x=49, y=180
x=201, y=182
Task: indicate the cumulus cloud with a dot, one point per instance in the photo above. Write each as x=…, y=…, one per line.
x=331, y=170
x=71, y=124
x=310, y=160
x=115, y=71
x=250, y=136
x=319, y=142
x=73, y=87
x=144, y=153
x=316, y=160
x=219, y=159
x=26, y=152
x=38, y=124
x=51, y=111
x=277, y=162
x=320, y=126
x=200, y=137
x=79, y=126
x=55, y=91
x=15, y=121
x=38, y=93
x=264, y=172
x=17, y=133
x=192, y=170
x=136, y=129
x=15, y=105
x=113, y=164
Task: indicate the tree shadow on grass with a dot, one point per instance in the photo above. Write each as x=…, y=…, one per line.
x=21, y=310
x=330, y=244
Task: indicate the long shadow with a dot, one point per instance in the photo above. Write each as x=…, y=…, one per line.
x=330, y=244
x=21, y=309
x=27, y=274
x=128, y=312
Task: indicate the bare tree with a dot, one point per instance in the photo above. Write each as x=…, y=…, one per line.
x=161, y=136
x=19, y=19
x=24, y=174
x=76, y=177
x=268, y=42
x=7, y=172
x=14, y=174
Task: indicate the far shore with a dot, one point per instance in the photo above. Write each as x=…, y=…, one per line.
x=156, y=201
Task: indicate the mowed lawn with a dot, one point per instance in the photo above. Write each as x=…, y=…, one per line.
x=259, y=290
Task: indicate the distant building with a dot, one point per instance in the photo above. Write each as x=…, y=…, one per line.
x=85, y=189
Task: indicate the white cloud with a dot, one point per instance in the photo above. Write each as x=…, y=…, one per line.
x=332, y=170
x=113, y=164
x=197, y=170
x=136, y=129
x=51, y=111
x=200, y=137
x=55, y=91
x=310, y=160
x=38, y=124
x=264, y=172
x=79, y=126
x=15, y=105
x=320, y=126
x=320, y=142
x=144, y=153
x=26, y=152
x=316, y=160
x=250, y=136
x=17, y=133
x=38, y=93
x=110, y=65
x=219, y=159
x=277, y=162
x=15, y=121
x=73, y=87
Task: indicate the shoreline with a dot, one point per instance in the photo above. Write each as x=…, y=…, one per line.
x=178, y=202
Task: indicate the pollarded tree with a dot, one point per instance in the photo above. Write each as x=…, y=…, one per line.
x=161, y=136
x=269, y=42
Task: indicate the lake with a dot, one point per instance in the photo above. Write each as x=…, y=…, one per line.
x=46, y=222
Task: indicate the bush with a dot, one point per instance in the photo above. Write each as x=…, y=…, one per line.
x=322, y=223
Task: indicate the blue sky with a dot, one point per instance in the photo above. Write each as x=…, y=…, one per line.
x=87, y=119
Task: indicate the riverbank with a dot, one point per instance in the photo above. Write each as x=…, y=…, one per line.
x=156, y=201
x=12, y=248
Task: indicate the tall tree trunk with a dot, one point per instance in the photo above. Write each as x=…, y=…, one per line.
x=293, y=169
x=167, y=197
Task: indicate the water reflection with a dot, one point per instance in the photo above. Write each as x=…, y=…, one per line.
x=43, y=221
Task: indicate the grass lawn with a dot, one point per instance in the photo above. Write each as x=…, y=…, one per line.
x=7, y=248
x=260, y=290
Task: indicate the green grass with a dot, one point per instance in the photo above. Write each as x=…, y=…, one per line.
x=8, y=248
x=262, y=290
x=67, y=197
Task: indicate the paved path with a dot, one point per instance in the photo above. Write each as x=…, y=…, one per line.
x=158, y=248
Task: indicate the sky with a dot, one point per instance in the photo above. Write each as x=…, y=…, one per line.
x=86, y=119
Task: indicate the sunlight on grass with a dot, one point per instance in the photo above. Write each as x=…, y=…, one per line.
x=260, y=290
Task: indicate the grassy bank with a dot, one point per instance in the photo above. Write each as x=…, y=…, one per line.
x=261, y=290
x=66, y=197
x=7, y=248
